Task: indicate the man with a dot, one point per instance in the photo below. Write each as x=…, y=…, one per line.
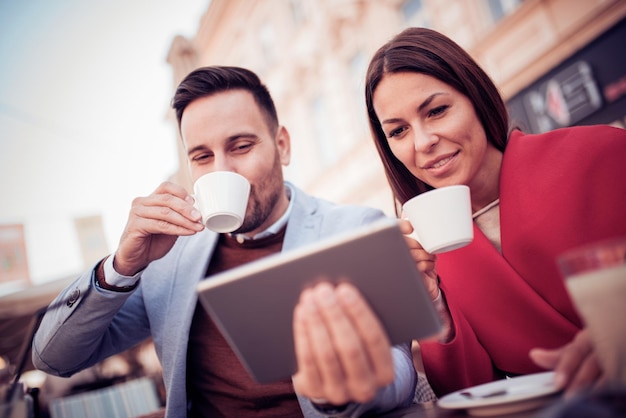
x=147, y=287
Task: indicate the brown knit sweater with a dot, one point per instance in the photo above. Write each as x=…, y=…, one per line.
x=217, y=383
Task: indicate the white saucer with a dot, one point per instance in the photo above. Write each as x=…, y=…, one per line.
x=503, y=396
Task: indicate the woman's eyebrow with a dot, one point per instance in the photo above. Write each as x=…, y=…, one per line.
x=421, y=107
x=428, y=100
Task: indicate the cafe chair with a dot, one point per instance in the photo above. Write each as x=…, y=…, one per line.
x=124, y=400
x=15, y=402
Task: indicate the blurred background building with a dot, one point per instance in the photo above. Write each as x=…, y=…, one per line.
x=13, y=257
x=556, y=62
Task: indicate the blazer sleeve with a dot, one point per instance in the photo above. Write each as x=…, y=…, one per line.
x=86, y=324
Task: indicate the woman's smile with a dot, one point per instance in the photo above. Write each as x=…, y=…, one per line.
x=439, y=162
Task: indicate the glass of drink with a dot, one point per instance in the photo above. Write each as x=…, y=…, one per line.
x=595, y=277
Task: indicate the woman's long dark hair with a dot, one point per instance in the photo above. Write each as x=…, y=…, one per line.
x=425, y=51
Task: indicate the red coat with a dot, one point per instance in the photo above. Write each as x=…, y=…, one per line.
x=558, y=190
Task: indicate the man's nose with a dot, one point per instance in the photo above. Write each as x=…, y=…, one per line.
x=222, y=163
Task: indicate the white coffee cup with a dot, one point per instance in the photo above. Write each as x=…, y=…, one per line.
x=441, y=218
x=222, y=199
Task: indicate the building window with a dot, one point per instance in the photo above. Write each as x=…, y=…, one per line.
x=297, y=11
x=323, y=132
x=268, y=42
x=499, y=9
x=358, y=68
x=415, y=13
x=411, y=7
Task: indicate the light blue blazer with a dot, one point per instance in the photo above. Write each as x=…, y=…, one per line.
x=87, y=324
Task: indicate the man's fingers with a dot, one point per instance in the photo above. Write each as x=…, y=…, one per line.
x=322, y=347
x=163, y=220
x=342, y=349
x=164, y=214
x=370, y=331
x=358, y=371
x=307, y=381
x=154, y=223
x=167, y=187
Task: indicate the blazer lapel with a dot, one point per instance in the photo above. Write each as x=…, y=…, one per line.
x=304, y=222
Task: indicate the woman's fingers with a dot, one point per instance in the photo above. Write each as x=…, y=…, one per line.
x=575, y=364
x=405, y=226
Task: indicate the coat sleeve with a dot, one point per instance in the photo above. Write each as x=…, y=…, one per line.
x=85, y=324
x=446, y=364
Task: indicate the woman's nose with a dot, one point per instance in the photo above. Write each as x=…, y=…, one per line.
x=423, y=140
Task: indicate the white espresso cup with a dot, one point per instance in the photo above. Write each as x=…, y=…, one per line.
x=222, y=199
x=441, y=218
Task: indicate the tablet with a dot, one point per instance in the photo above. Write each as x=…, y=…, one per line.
x=253, y=304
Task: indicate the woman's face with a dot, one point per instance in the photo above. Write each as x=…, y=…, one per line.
x=432, y=129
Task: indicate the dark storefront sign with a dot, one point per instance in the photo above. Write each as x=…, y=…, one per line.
x=586, y=89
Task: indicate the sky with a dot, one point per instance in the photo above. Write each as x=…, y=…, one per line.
x=84, y=90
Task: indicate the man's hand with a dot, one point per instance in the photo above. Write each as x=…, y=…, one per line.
x=154, y=224
x=343, y=352
x=575, y=364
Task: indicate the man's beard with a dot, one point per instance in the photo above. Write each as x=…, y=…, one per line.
x=261, y=206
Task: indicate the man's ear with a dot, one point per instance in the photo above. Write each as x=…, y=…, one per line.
x=283, y=145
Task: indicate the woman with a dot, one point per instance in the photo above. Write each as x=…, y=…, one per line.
x=438, y=120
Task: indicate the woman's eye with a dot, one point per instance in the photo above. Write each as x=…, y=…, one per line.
x=438, y=110
x=395, y=132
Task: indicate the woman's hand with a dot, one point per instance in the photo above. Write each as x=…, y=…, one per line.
x=425, y=262
x=154, y=223
x=343, y=352
x=575, y=364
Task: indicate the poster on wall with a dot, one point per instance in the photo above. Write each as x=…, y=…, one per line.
x=587, y=88
x=14, y=273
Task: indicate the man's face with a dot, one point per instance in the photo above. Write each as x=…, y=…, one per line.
x=227, y=131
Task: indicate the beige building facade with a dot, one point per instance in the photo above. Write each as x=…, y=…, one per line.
x=313, y=55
